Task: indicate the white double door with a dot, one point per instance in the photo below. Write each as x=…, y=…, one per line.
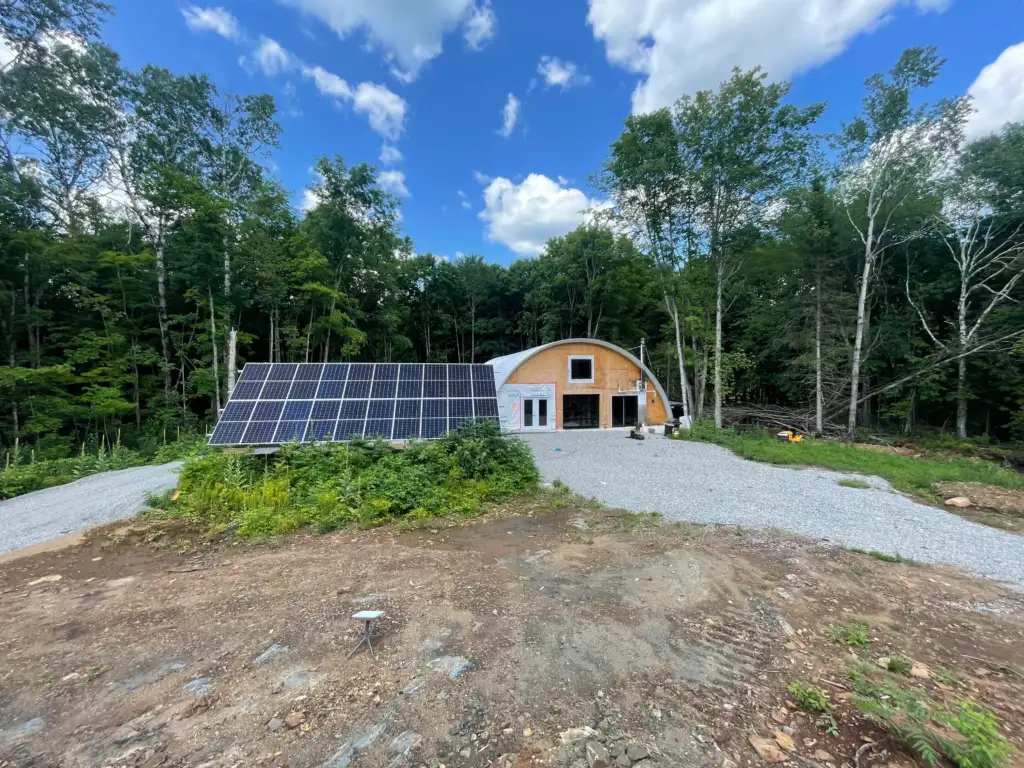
x=537, y=413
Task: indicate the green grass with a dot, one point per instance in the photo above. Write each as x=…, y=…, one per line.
x=326, y=487
x=853, y=482
x=813, y=699
x=899, y=665
x=883, y=556
x=905, y=473
x=852, y=633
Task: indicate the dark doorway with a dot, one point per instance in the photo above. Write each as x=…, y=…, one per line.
x=625, y=410
x=581, y=411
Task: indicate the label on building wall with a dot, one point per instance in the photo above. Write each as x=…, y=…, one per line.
x=510, y=403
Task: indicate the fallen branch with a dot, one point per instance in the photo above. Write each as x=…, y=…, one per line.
x=190, y=570
x=860, y=752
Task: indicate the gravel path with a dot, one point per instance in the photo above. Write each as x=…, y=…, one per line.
x=698, y=482
x=48, y=514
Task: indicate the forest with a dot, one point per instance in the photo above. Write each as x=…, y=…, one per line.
x=869, y=279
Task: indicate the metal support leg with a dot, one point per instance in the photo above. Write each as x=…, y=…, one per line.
x=366, y=638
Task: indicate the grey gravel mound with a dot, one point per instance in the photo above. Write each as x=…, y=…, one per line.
x=698, y=482
x=103, y=498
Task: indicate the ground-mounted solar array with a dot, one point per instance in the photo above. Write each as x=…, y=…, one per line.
x=276, y=403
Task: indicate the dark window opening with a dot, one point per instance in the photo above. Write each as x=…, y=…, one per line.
x=625, y=410
x=542, y=413
x=527, y=413
x=581, y=411
x=581, y=369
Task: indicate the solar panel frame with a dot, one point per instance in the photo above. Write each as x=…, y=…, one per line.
x=280, y=402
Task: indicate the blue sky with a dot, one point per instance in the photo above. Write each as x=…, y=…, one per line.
x=502, y=110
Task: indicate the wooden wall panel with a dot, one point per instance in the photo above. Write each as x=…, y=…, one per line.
x=612, y=372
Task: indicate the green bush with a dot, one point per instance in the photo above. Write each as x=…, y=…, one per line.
x=329, y=486
x=853, y=633
x=813, y=699
x=965, y=734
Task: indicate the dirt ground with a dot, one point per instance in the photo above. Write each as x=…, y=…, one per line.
x=505, y=640
x=991, y=505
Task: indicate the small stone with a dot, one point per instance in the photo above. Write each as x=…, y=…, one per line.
x=270, y=654
x=823, y=756
x=656, y=713
x=294, y=719
x=275, y=724
x=780, y=715
x=528, y=732
x=597, y=755
x=404, y=742
x=961, y=502
x=636, y=752
x=622, y=761
x=465, y=752
x=201, y=686
x=767, y=749
x=882, y=661
x=124, y=734
x=920, y=670
x=784, y=740
x=53, y=577
x=575, y=735
x=454, y=666
x=618, y=749
x=788, y=730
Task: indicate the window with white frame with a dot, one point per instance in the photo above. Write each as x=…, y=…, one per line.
x=581, y=369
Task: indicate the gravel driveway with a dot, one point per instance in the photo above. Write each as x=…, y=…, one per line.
x=703, y=483
x=48, y=514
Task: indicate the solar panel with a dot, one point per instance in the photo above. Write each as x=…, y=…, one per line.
x=277, y=403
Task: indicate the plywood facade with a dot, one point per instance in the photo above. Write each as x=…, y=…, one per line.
x=613, y=375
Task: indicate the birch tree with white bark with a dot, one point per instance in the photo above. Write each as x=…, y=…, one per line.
x=889, y=155
x=986, y=248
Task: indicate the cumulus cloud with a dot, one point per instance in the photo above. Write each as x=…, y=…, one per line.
x=509, y=116
x=680, y=46
x=394, y=182
x=998, y=94
x=216, y=20
x=384, y=109
x=525, y=216
x=563, y=74
x=389, y=155
x=269, y=58
x=480, y=26
x=408, y=33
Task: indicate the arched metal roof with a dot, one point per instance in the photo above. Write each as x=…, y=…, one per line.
x=504, y=366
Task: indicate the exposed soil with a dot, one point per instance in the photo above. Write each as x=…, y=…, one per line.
x=677, y=640
x=992, y=505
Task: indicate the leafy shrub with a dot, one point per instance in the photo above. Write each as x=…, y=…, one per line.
x=853, y=633
x=812, y=699
x=329, y=486
x=965, y=734
x=899, y=665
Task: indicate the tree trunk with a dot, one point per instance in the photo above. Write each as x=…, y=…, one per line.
x=232, y=356
x=270, y=356
x=858, y=341
x=213, y=341
x=819, y=402
x=12, y=361
x=961, y=398
x=161, y=315
x=684, y=384
x=719, y=279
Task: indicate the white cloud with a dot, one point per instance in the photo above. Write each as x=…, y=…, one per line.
x=564, y=74
x=310, y=200
x=269, y=58
x=385, y=109
x=409, y=33
x=998, y=94
x=394, y=182
x=390, y=155
x=480, y=24
x=525, y=216
x=680, y=46
x=481, y=178
x=509, y=116
x=464, y=200
x=216, y=20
